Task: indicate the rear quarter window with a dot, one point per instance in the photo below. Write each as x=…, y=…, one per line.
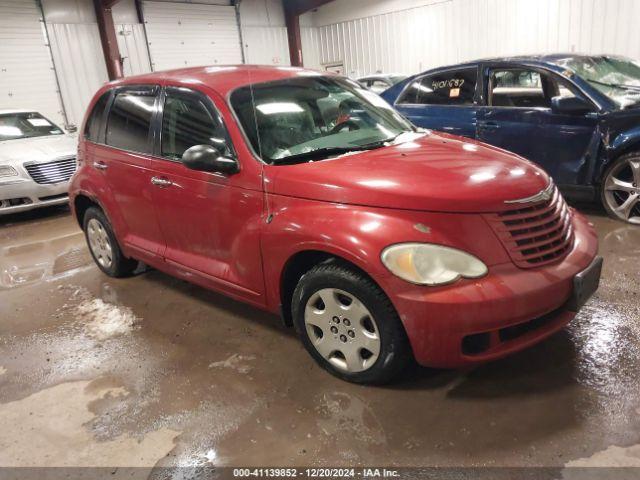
x=93, y=128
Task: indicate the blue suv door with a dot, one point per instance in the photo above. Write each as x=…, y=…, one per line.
x=519, y=117
x=444, y=100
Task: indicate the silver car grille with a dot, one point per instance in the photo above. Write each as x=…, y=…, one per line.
x=56, y=171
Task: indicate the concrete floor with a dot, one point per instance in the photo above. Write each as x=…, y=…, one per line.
x=151, y=371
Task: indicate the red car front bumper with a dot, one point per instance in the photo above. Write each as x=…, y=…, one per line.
x=506, y=311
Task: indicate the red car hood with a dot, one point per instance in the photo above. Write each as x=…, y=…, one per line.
x=437, y=172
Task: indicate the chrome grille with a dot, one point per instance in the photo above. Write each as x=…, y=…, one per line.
x=538, y=234
x=56, y=171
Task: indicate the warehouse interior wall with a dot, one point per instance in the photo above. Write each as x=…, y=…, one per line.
x=356, y=37
x=77, y=53
x=27, y=77
x=77, y=50
x=264, y=35
x=409, y=36
x=132, y=39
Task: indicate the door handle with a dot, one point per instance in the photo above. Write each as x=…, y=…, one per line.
x=488, y=125
x=161, y=182
x=100, y=165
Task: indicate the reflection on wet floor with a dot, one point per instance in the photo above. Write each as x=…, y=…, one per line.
x=44, y=249
x=153, y=371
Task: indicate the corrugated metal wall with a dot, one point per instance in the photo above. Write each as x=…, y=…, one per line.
x=265, y=45
x=185, y=34
x=132, y=43
x=77, y=53
x=452, y=31
x=27, y=77
x=77, y=50
x=311, y=47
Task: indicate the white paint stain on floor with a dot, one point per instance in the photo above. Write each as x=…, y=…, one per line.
x=100, y=319
x=2, y=370
x=105, y=320
x=235, y=362
x=611, y=457
x=51, y=428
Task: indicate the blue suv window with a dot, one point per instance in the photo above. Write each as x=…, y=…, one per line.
x=456, y=87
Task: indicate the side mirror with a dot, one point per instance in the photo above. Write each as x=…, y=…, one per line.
x=71, y=128
x=570, y=105
x=208, y=159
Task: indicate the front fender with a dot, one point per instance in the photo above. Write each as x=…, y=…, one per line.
x=625, y=141
x=358, y=234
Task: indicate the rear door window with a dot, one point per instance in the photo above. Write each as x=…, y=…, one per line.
x=129, y=121
x=186, y=122
x=455, y=87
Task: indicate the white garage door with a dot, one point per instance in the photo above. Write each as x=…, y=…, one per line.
x=27, y=79
x=187, y=34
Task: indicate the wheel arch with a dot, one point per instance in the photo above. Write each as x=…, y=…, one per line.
x=81, y=204
x=301, y=262
x=623, y=144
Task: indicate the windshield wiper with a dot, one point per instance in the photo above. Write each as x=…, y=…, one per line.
x=317, y=154
x=380, y=143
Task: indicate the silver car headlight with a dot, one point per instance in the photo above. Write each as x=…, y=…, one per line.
x=428, y=264
x=7, y=171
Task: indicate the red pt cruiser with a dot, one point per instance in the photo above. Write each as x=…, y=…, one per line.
x=306, y=194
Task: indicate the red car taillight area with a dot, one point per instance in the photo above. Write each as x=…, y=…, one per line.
x=536, y=234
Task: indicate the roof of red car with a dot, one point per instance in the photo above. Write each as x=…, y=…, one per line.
x=221, y=78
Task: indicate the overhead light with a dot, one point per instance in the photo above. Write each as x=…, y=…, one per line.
x=279, y=107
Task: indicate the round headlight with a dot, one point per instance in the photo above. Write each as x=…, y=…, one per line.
x=427, y=264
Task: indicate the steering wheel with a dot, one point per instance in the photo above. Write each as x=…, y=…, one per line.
x=350, y=123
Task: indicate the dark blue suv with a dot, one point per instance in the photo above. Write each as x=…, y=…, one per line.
x=577, y=116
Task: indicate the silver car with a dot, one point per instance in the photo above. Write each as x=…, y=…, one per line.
x=379, y=82
x=37, y=159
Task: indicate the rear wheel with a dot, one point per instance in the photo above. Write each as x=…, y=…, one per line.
x=103, y=245
x=620, y=191
x=348, y=325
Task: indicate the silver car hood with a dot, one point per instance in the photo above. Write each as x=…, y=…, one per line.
x=37, y=148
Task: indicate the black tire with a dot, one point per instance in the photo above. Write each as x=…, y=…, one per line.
x=394, y=353
x=120, y=266
x=617, y=169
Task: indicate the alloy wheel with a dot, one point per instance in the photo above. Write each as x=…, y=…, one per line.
x=99, y=243
x=342, y=330
x=622, y=190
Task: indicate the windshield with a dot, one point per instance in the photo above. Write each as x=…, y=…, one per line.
x=25, y=125
x=311, y=118
x=616, y=77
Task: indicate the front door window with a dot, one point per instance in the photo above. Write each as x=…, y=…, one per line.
x=187, y=122
x=524, y=88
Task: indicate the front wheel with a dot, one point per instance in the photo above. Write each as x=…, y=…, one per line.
x=620, y=191
x=348, y=325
